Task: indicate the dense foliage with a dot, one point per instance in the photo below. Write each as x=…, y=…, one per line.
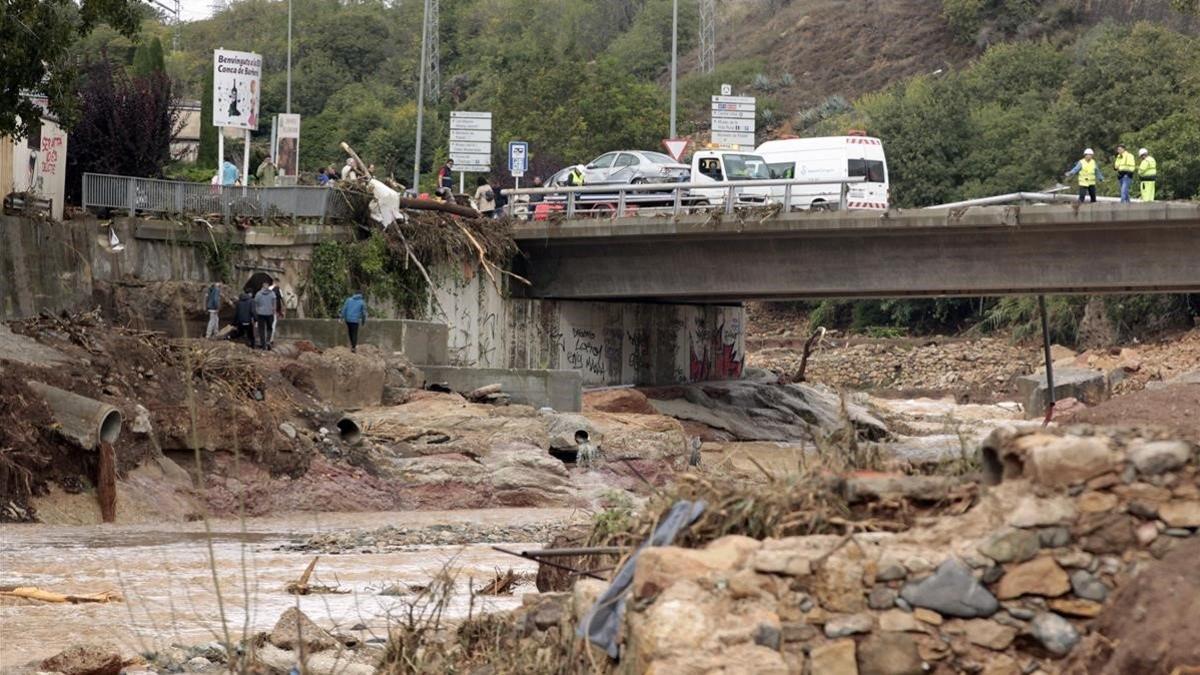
x=36, y=38
x=125, y=125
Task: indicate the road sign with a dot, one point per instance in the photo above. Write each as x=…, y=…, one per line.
x=676, y=147
x=733, y=119
x=518, y=158
x=471, y=141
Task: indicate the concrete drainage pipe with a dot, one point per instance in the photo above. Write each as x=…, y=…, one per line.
x=84, y=420
x=349, y=431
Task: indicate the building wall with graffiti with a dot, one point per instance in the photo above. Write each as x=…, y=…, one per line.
x=37, y=164
x=609, y=343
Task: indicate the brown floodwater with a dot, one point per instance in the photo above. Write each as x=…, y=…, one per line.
x=166, y=574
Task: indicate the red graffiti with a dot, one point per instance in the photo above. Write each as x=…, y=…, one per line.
x=718, y=359
x=50, y=154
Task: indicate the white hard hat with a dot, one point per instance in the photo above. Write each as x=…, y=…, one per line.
x=1143, y=151
x=1088, y=152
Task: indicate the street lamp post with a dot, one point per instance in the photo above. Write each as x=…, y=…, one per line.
x=421, y=98
x=288, y=109
x=674, y=58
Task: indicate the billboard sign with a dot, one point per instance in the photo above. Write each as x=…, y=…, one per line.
x=287, y=145
x=237, y=89
x=733, y=120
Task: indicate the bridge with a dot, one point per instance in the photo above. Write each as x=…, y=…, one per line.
x=972, y=251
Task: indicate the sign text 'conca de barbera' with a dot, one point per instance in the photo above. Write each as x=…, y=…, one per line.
x=237, y=87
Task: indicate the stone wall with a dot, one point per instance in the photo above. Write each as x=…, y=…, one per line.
x=44, y=266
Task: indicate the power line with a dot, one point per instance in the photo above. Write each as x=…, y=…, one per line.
x=708, y=35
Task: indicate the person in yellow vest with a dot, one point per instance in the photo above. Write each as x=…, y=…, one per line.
x=1125, y=166
x=1089, y=174
x=1147, y=174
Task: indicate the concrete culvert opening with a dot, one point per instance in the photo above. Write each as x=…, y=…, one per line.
x=581, y=437
x=349, y=431
x=996, y=468
x=566, y=455
x=110, y=427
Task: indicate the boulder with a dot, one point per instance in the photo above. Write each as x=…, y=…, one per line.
x=624, y=400
x=1180, y=513
x=1089, y=386
x=1014, y=545
x=1041, y=576
x=834, y=658
x=1032, y=511
x=852, y=624
x=889, y=654
x=1155, y=457
x=987, y=633
x=85, y=660
x=1055, y=633
x=952, y=590
x=295, y=631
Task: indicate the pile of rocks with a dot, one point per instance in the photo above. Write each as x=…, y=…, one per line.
x=1009, y=587
x=393, y=538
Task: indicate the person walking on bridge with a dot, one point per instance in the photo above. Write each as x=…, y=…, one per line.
x=1147, y=174
x=1089, y=174
x=445, y=175
x=266, y=173
x=1125, y=166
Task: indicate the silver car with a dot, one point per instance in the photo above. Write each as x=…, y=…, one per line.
x=634, y=166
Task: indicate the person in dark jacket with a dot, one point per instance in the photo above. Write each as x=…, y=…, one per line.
x=264, y=314
x=354, y=313
x=278, y=309
x=212, y=302
x=244, y=318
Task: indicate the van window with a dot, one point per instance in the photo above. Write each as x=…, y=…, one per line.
x=745, y=167
x=785, y=170
x=711, y=167
x=870, y=169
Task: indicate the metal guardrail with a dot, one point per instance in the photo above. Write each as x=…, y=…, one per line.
x=674, y=198
x=151, y=195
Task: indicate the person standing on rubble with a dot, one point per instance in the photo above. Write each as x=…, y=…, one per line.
x=278, y=309
x=212, y=302
x=264, y=314
x=244, y=318
x=354, y=313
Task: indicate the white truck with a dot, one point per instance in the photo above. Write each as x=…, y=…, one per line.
x=713, y=166
x=834, y=158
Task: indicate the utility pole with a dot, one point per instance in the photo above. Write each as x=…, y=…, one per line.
x=674, y=59
x=708, y=36
x=288, y=109
x=421, y=96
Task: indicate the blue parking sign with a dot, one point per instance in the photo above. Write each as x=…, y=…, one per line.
x=518, y=158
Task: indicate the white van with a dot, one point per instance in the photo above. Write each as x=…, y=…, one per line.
x=834, y=158
x=718, y=166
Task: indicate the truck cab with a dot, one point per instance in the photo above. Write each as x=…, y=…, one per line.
x=718, y=166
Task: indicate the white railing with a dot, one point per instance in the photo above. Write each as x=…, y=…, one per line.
x=151, y=195
x=674, y=198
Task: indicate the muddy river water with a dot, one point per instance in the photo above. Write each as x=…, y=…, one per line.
x=166, y=574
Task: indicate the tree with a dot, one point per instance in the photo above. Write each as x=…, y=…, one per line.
x=125, y=127
x=37, y=35
x=206, y=154
x=148, y=58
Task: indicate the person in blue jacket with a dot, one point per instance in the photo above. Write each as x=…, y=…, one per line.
x=354, y=313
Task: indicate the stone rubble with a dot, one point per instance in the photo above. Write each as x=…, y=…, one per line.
x=1010, y=586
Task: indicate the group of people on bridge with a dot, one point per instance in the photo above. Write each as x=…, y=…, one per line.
x=1145, y=168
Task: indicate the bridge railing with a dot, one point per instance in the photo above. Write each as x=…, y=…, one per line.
x=152, y=195
x=618, y=200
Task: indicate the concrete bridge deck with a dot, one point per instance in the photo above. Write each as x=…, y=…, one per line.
x=995, y=250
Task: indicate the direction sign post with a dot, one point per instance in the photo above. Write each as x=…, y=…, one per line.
x=733, y=119
x=470, y=143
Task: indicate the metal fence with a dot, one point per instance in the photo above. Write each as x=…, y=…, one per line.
x=614, y=201
x=150, y=195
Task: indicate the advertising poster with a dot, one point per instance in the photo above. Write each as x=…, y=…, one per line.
x=287, y=149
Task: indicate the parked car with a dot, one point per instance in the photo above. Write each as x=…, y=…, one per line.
x=634, y=166
x=834, y=158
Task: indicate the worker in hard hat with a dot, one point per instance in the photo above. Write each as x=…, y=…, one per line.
x=1125, y=165
x=1147, y=174
x=1089, y=174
